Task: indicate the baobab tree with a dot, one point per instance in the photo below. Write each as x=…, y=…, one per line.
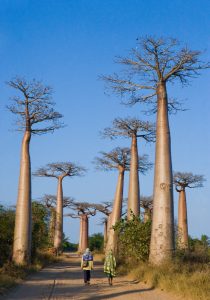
x=181, y=182
x=49, y=202
x=59, y=170
x=134, y=129
x=147, y=204
x=33, y=107
x=105, y=208
x=150, y=66
x=84, y=211
x=119, y=159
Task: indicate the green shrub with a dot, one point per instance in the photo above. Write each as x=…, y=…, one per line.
x=96, y=242
x=133, y=239
x=7, y=223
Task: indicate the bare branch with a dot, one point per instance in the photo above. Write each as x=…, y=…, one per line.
x=104, y=208
x=146, y=202
x=153, y=60
x=130, y=126
x=183, y=180
x=50, y=201
x=84, y=208
x=60, y=169
x=119, y=158
x=34, y=107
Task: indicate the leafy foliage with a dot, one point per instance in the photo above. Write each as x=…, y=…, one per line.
x=7, y=223
x=67, y=245
x=96, y=242
x=134, y=239
x=40, y=224
x=40, y=220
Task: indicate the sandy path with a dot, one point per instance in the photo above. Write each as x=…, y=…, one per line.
x=64, y=281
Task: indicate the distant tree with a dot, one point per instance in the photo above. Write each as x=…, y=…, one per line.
x=183, y=181
x=148, y=69
x=59, y=171
x=7, y=223
x=105, y=208
x=84, y=211
x=147, y=204
x=119, y=158
x=49, y=201
x=132, y=128
x=34, y=109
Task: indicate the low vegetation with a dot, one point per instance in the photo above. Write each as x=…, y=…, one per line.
x=134, y=239
x=188, y=275
x=190, y=280
x=11, y=274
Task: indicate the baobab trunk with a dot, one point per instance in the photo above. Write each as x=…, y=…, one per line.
x=84, y=241
x=105, y=233
x=59, y=217
x=108, y=225
x=22, y=233
x=162, y=237
x=80, y=235
x=182, y=222
x=116, y=212
x=134, y=193
x=52, y=224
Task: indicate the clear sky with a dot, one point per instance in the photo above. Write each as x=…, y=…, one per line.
x=68, y=44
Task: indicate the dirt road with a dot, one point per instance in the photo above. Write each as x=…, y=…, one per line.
x=64, y=281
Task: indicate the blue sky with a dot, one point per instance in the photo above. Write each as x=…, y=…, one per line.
x=68, y=44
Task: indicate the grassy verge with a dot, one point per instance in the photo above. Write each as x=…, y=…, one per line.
x=11, y=274
x=188, y=279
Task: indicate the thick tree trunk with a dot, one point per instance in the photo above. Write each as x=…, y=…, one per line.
x=85, y=225
x=134, y=193
x=162, y=238
x=59, y=218
x=116, y=212
x=80, y=235
x=108, y=225
x=105, y=233
x=52, y=225
x=22, y=233
x=182, y=222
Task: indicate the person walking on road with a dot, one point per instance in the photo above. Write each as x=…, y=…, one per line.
x=110, y=266
x=87, y=265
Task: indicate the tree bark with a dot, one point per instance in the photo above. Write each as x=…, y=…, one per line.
x=105, y=233
x=80, y=235
x=84, y=239
x=52, y=224
x=182, y=222
x=116, y=212
x=59, y=218
x=162, y=237
x=134, y=193
x=22, y=232
x=108, y=225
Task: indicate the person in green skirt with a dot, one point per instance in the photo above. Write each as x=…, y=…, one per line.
x=110, y=266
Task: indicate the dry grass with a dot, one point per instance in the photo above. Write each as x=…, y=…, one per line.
x=190, y=280
x=11, y=274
